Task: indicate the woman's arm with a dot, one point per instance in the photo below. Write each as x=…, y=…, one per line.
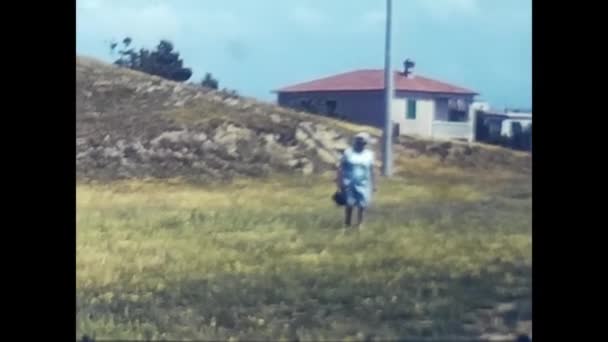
x=372, y=173
x=340, y=170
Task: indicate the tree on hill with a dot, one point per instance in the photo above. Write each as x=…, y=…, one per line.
x=163, y=61
x=210, y=82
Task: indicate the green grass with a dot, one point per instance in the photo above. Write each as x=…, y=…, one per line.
x=265, y=260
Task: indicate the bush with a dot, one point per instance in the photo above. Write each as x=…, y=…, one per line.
x=163, y=61
x=210, y=82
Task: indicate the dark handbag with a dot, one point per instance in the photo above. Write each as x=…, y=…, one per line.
x=339, y=198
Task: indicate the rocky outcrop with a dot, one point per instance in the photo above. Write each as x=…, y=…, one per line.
x=135, y=125
x=226, y=151
x=130, y=124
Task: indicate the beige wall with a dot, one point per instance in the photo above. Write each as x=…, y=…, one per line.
x=367, y=108
x=441, y=109
x=431, y=116
x=425, y=108
x=452, y=130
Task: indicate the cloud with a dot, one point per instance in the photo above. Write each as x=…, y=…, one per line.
x=88, y=4
x=237, y=50
x=146, y=23
x=364, y=22
x=217, y=25
x=374, y=18
x=307, y=17
x=443, y=9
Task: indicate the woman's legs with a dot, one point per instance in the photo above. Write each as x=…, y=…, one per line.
x=360, y=211
x=348, y=213
x=359, y=200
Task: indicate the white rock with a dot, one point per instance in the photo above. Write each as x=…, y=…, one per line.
x=111, y=152
x=200, y=137
x=173, y=136
x=121, y=144
x=275, y=118
x=506, y=307
x=308, y=168
x=326, y=156
x=209, y=145
x=231, y=102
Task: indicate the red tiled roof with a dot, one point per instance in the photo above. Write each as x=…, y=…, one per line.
x=374, y=80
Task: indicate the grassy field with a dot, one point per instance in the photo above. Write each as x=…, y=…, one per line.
x=440, y=256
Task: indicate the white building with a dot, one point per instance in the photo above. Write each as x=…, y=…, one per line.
x=512, y=120
x=480, y=105
x=501, y=123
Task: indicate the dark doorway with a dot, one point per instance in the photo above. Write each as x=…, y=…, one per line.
x=331, y=106
x=396, y=131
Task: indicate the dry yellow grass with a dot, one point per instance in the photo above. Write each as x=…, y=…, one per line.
x=266, y=260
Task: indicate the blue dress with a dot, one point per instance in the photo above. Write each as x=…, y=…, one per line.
x=356, y=179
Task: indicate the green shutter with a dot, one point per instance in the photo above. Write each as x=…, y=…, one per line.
x=411, y=109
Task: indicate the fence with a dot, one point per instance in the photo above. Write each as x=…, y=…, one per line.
x=452, y=130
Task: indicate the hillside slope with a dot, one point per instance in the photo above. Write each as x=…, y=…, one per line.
x=133, y=125
x=445, y=253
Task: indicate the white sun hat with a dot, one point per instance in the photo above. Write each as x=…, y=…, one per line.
x=363, y=136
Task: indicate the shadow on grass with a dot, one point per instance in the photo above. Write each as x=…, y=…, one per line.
x=314, y=303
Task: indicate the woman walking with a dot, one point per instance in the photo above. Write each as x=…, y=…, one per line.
x=356, y=179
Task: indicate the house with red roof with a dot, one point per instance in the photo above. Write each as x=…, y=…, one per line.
x=421, y=106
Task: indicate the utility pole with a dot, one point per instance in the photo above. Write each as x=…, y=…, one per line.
x=387, y=151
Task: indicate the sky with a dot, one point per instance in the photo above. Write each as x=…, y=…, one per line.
x=256, y=46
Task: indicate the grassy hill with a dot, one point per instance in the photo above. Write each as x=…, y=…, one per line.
x=130, y=124
x=202, y=216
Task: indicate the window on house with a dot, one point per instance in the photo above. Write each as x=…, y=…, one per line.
x=331, y=107
x=411, y=109
x=516, y=128
x=457, y=115
x=457, y=110
x=494, y=128
x=307, y=105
